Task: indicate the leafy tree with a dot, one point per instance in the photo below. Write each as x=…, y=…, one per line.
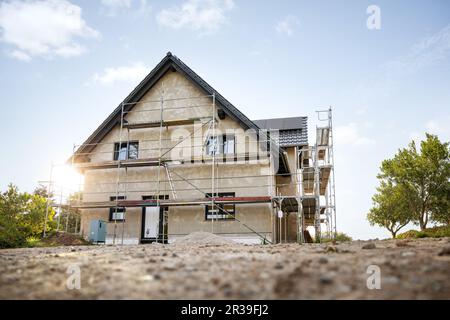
x=391, y=209
x=43, y=191
x=22, y=216
x=423, y=176
x=441, y=210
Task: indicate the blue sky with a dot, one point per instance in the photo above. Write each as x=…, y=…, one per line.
x=64, y=65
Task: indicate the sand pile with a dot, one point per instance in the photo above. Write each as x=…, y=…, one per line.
x=200, y=237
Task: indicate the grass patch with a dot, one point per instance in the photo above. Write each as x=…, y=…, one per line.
x=435, y=232
x=340, y=236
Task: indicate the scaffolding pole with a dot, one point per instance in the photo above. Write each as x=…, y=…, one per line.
x=118, y=172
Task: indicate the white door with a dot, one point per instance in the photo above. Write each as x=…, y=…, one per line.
x=151, y=226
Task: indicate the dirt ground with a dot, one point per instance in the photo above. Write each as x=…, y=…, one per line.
x=413, y=269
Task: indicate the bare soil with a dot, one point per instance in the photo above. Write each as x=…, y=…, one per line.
x=64, y=239
x=199, y=269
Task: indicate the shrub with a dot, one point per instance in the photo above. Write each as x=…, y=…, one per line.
x=340, y=236
x=435, y=232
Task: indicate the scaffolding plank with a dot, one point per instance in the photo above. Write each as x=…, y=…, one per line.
x=172, y=202
x=115, y=164
x=164, y=123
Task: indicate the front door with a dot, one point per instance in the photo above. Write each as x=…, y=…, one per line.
x=151, y=223
x=153, y=228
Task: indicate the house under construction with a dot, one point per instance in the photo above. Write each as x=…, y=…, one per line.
x=177, y=157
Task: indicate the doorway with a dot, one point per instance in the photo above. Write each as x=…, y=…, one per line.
x=154, y=222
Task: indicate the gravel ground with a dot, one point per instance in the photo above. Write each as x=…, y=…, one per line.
x=414, y=269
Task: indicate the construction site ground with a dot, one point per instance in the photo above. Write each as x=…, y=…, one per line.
x=209, y=267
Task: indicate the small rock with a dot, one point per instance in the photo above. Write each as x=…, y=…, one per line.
x=402, y=243
x=279, y=266
x=73, y=250
x=148, y=277
x=323, y=260
x=170, y=268
x=445, y=251
x=174, y=255
x=157, y=276
x=408, y=254
x=325, y=279
x=391, y=280
x=331, y=249
x=369, y=245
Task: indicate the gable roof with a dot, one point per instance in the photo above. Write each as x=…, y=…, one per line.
x=169, y=62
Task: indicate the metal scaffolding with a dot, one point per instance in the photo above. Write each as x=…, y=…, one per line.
x=315, y=172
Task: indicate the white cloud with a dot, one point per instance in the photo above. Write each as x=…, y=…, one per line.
x=350, y=135
x=287, y=25
x=110, y=76
x=113, y=7
x=438, y=127
x=116, y=3
x=427, y=52
x=205, y=16
x=43, y=28
x=19, y=55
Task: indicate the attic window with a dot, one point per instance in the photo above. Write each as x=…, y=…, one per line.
x=224, y=144
x=126, y=150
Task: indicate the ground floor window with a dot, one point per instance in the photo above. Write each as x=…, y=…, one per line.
x=117, y=213
x=220, y=211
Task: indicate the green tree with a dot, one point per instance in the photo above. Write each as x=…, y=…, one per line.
x=423, y=176
x=22, y=216
x=390, y=208
x=43, y=191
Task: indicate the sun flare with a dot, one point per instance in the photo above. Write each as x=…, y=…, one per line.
x=67, y=178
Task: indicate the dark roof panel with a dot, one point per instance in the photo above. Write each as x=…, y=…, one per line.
x=282, y=123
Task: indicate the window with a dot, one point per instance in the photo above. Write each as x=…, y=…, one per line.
x=228, y=144
x=117, y=213
x=212, y=146
x=220, y=145
x=220, y=211
x=126, y=150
